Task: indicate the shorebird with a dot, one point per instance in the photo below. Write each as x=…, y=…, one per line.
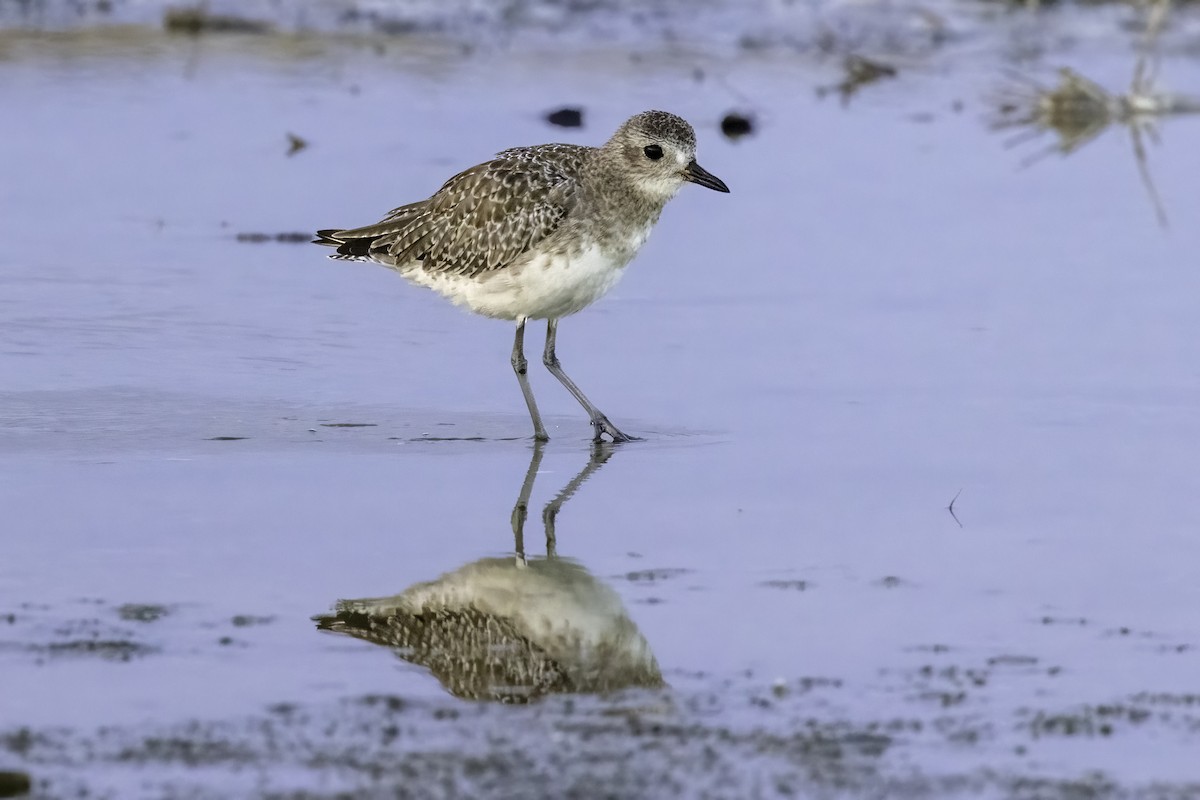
x=538, y=233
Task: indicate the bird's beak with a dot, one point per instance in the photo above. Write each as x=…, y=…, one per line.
x=697, y=174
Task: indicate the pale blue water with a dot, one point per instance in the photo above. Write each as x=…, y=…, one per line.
x=884, y=312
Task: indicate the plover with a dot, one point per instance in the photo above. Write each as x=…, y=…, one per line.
x=538, y=232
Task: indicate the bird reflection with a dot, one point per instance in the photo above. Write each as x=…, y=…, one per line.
x=512, y=629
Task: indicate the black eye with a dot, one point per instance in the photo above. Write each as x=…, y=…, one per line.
x=653, y=152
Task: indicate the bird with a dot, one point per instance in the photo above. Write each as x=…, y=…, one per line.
x=538, y=233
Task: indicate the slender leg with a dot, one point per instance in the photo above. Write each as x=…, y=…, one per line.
x=599, y=421
x=521, y=367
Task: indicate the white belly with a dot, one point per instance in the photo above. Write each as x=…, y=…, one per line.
x=543, y=288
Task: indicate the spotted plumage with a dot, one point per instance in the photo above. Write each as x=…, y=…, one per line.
x=537, y=232
x=482, y=219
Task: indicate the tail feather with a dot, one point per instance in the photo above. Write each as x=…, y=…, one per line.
x=328, y=237
x=347, y=248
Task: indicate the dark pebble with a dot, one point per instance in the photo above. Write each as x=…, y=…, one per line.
x=14, y=784
x=735, y=125
x=566, y=118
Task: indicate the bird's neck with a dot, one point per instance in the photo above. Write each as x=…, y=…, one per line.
x=610, y=194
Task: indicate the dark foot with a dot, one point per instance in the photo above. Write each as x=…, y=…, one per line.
x=602, y=426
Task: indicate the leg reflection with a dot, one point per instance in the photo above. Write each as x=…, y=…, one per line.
x=520, y=511
x=600, y=453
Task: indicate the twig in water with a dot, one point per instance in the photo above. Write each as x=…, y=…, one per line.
x=950, y=507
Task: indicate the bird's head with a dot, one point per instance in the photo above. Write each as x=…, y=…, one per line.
x=657, y=151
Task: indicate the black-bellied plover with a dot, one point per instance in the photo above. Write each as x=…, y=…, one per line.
x=538, y=232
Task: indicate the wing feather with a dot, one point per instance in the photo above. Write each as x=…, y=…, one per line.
x=484, y=218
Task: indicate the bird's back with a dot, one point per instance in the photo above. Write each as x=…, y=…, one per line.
x=483, y=219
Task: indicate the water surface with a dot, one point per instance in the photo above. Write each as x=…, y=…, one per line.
x=206, y=441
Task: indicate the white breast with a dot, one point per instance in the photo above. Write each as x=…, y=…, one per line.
x=545, y=287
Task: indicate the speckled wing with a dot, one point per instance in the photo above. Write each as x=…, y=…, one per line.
x=482, y=219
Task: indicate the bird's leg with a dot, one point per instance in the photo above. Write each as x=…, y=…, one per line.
x=599, y=421
x=521, y=367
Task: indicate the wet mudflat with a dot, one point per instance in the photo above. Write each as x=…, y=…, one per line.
x=210, y=436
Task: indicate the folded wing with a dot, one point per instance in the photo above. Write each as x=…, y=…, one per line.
x=482, y=219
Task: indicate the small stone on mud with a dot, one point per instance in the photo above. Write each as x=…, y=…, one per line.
x=795, y=585
x=295, y=144
x=141, y=612
x=652, y=575
x=566, y=117
x=735, y=125
x=14, y=784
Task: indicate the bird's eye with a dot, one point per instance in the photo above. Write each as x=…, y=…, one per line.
x=653, y=152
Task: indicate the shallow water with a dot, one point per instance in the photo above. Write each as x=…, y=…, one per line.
x=204, y=442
